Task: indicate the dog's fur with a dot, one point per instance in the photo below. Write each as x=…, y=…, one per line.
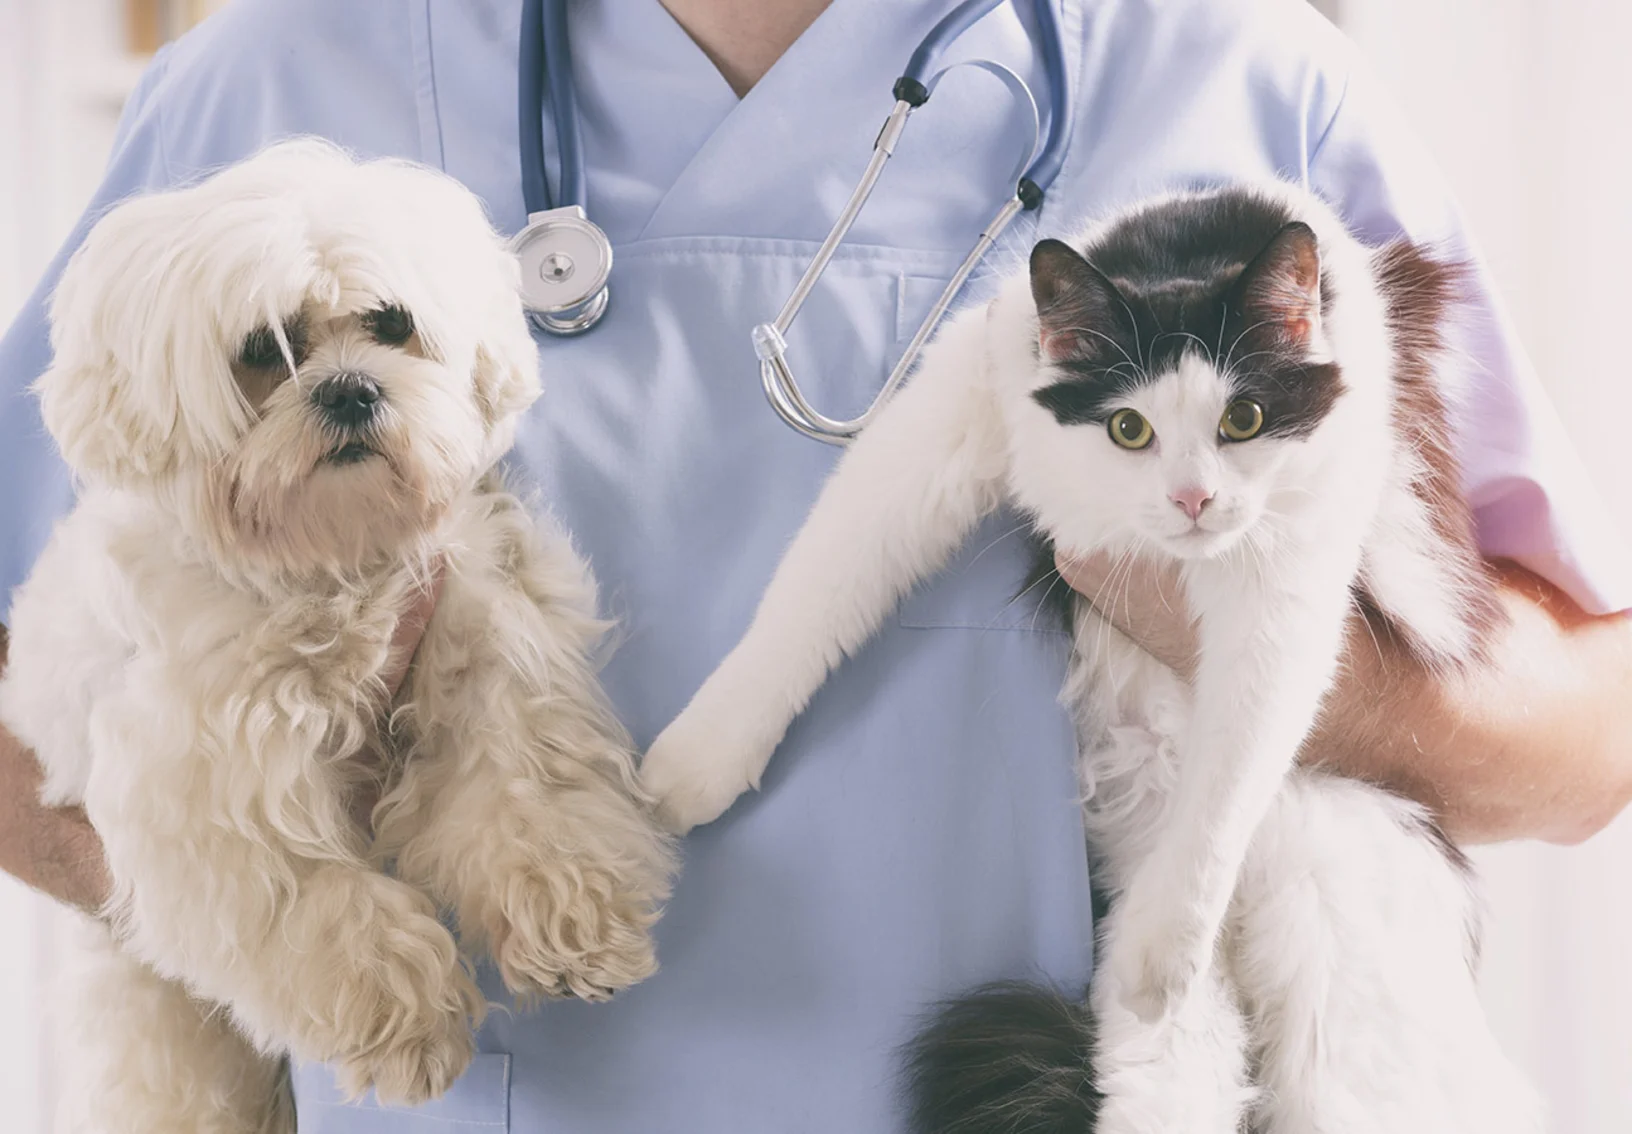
x=197, y=658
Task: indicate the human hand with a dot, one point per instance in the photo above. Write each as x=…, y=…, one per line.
x=400, y=660
x=1529, y=744
x=53, y=849
x=410, y=629
x=1142, y=598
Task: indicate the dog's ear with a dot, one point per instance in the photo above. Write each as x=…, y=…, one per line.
x=138, y=380
x=505, y=369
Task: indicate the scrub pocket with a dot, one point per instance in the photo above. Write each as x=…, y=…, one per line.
x=478, y=1103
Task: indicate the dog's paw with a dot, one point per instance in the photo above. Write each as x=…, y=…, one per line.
x=705, y=759
x=573, y=931
x=415, y=1061
x=402, y=1020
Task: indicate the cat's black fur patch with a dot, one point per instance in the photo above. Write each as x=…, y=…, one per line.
x=1055, y=598
x=1185, y=276
x=1009, y=1058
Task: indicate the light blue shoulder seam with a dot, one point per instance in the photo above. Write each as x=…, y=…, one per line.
x=160, y=68
x=1075, y=39
x=430, y=112
x=1320, y=142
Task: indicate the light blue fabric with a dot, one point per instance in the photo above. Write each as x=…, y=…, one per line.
x=917, y=832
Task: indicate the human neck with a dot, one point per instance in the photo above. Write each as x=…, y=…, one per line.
x=743, y=38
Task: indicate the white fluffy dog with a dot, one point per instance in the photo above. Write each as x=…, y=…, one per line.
x=282, y=390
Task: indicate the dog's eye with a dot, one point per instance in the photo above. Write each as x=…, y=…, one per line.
x=261, y=349
x=262, y=352
x=390, y=325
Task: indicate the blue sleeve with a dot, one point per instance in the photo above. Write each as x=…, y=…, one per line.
x=37, y=491
x=1531, y=496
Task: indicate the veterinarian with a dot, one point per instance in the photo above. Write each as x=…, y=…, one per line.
x=917, y=834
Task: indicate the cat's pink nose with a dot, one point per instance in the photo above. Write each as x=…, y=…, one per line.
x=1192, y=499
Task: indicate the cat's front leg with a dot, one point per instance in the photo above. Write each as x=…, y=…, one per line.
x=519, y=806
x=1269, y=644
x=906, y=494
x=1184, y=1073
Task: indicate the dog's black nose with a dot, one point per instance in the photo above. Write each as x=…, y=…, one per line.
x=348, y=398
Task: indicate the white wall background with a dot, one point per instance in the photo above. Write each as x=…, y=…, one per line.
x=1528, y=106
x=62, y=79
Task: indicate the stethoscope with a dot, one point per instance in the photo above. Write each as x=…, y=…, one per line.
x=566, y=259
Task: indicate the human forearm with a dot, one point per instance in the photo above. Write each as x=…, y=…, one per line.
x=1536, y=744
x=53, y=849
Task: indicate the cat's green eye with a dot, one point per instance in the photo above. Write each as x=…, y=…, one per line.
x=1129, y=430
x=1241, y=421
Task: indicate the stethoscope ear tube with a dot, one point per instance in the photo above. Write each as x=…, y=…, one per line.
x=1035, y=172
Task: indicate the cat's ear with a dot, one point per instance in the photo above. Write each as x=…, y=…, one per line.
x=1078, y=308
x=1280, y=289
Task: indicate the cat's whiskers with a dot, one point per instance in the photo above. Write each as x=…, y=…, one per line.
x=1042, y=603
x=1137, y=369
x=1144, y=355
x=997, y=539
x=1130, y=560
x=1192, y=337
x=1121, y=570
x=1054, y=579
x=1225, y=366
x=1230, y=370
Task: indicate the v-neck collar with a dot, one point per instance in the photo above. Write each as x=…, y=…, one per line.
x=780, y=163
x=663, y=113
x=649, y=99
x=671, y=151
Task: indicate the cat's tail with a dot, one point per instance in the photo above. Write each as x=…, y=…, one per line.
x=1008, y=1058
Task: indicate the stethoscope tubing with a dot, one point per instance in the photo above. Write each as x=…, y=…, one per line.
x=1045, y=167
x=913, y=90
x=535, y=188
x=559, y=243
x=545, y=63
x=569, y=141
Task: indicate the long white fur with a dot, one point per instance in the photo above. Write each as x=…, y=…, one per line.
x=197, y=658
x=1188, y=801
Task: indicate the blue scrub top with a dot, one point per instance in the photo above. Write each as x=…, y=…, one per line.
x=918, y=831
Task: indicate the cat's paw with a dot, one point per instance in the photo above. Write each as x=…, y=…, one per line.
x=704, y=760
x=1183, y=1072
x=1156, y=950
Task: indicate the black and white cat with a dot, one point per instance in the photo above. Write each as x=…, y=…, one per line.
x=1229, y=380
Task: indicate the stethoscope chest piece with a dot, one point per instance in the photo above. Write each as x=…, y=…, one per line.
x=565, y=262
